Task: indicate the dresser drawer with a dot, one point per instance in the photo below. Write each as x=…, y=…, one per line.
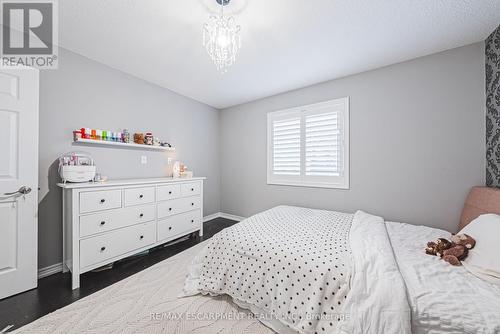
x=176, y=206
x=117, y=218
x=190, y=189
x=177, y=225
x=137, y=196
x=168, y=192
x=107, y=246
x=100, y=200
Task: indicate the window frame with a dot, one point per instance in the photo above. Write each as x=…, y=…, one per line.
x=332, y=182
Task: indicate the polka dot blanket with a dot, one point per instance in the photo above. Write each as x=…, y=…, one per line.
x=290, y=266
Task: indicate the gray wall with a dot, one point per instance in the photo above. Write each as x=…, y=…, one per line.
x=84, y=93
x=417, y=142
x=492, y=54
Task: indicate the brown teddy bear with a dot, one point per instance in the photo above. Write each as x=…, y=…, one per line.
x=437, y=247
x=463, y=239
x=455, y=254
x=453, y=251
x=460, y=249
x=139, y=138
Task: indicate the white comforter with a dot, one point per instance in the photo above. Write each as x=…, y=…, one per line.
x=377, y=301
x=292, y=268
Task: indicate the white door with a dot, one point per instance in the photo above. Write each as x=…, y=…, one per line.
x=18, y=180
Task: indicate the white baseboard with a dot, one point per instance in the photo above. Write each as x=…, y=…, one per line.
x=222, y=215
x=50, y=270
x=211, y=217
x=57, y=268
x=6, y=329
x=232, y=217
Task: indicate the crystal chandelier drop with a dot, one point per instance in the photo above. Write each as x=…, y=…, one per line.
x=221, y=38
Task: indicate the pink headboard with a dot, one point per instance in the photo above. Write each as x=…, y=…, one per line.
x=480, y=200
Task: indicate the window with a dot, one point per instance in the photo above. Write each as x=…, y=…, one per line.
x=309, y=146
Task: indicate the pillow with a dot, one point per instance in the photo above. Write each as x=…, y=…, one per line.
x=483, y=260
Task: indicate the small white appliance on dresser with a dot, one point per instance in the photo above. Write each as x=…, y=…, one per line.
x=106, y=222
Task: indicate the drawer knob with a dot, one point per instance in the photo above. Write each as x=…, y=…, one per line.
x=192, y=204
x=103, y=249
x=103, y=200
x=192, y=189
x=141, y=196
x=141, y=237
x=170, y=228
x=141, y=215
x=170, y=192
x=192, y=220
x=102, y=223
x=169, y=209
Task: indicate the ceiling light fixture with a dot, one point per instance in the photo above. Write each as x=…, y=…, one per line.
x=221, y=38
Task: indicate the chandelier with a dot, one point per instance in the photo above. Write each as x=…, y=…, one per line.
x=221, y=38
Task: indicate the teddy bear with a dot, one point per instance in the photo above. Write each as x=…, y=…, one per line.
x=455, y=254
x=453, y=251
x=463, y=239
x=460, y=249
x=139, y=138
x=437, y=247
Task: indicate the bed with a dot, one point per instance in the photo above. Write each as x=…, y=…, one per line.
x=316, y=271
x=388, y=284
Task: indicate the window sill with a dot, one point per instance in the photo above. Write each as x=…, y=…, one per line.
x=310, y=184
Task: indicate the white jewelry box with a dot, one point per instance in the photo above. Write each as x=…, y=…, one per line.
x=77, y=173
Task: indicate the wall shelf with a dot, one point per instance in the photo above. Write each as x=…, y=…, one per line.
x=111, y=144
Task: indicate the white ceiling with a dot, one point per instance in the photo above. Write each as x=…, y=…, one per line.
x=286, y=44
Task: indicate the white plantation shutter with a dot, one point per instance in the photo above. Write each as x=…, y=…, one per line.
x=323, y=145
x=308, y=146
x=286, y=148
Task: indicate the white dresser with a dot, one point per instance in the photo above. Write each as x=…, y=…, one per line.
x=105, y=222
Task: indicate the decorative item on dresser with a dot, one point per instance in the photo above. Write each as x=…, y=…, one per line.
x=105, y=222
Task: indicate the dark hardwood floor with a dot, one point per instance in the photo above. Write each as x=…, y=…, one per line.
x=54, y=291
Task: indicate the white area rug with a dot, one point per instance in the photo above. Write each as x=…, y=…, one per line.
x=148, y=302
